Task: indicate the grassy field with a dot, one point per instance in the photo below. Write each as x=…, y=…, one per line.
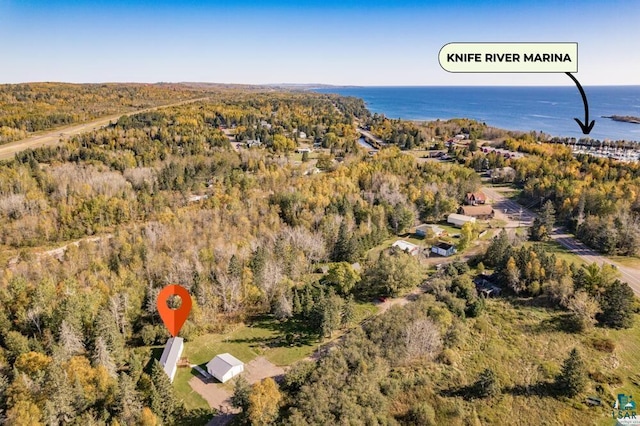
x=262, y=337
x=560, y=251
x=191, y=399
x=526, y=345
x=630, y=261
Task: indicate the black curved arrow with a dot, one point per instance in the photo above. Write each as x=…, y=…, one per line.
x=586, y=126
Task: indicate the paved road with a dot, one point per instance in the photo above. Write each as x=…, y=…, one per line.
x=52, y=137
x=507, y=209
x=627, y=274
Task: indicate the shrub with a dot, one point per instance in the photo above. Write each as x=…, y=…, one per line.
x=422, y=414
x=449, y=357
x=603, y=344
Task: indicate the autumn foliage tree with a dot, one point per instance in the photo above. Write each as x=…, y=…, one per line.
x=264, y=402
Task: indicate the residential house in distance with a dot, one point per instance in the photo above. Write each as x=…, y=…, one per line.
x=502, y=174
x=170, y=356
x=224, y=367
x=479, y=212
x=302, y=135
x=459, y=219
x=410, y=248
x=443, y=249
x=265, y=124
x=427, y=229
x=253, y=143
x=486, y=286
x=475, y=198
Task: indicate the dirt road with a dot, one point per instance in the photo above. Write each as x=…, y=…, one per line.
x=52, y=137
x=517, y=215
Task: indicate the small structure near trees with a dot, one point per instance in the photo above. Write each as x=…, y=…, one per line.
x=170, y=356
x=224, y=367
x=444, y=249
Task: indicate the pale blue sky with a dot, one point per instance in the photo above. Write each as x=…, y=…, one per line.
x=335, y=42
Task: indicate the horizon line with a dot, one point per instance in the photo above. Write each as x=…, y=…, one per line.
x=314, y=85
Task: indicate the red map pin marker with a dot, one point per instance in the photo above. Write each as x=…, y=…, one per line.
x=174, y=319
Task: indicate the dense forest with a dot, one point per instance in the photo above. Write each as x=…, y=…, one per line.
x=32, y=107
x=94, y=227
x=248, y=245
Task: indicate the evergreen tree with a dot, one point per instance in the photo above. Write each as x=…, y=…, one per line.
x=343, y=251
x=572, y=380
x=102, y=357
x=543, y=224
x=106, y=327
x=59, y=409
x=297, y=303
x=258, y=264
x=128, y=402
x=487, y=384
x=70, y=340
x=235, y=267
x=307, y=303
x=348, y=311
x=163, y=400
x=498, y=251
x=617, y=306
x=240, y=397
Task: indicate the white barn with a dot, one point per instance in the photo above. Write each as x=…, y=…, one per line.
x=171, y=355
x=459, y=219
x=407, y=246
x=224, y=367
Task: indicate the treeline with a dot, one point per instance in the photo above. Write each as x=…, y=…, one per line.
x=154, y=160
x=415, y=364
x=408, y=134
x=592, y=294
x=33, y=107
x=597, y=198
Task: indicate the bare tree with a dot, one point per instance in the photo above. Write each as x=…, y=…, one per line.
x=70, y=340
x=283, y=308
x=272, y=275
x=228, y=288
x=584, y=309
x=423, y=339
x=102, y=357
x=35, y=316
x=118, y=306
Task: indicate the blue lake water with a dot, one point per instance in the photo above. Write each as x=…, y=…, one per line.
x=547, y=109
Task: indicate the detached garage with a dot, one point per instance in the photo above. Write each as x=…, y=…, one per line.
x=459, y=219
x=171, y=355
x=224, y=367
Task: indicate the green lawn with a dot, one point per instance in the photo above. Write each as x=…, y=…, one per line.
x=630, y=261
x=525, y=345
x=265, y=336
x=560, y=251
x=191, y=399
